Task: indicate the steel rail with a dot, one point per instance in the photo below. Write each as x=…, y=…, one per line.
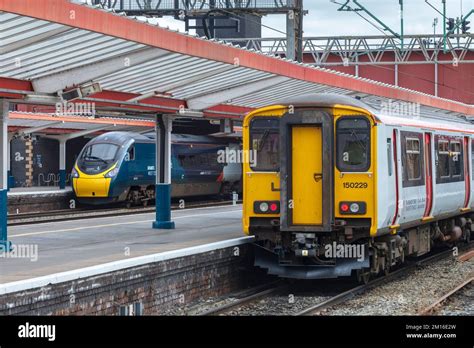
x=275, y=287
x=434, y=306
x=347, y=295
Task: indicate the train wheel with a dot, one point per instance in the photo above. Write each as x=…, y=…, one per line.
x=386, y=269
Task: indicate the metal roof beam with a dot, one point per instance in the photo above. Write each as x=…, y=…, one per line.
x=66, y=137
x=15, y=45
x=39, y=128
x=77, y=76
x=212, y=99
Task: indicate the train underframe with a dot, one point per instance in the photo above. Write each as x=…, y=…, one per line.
x=350, y=251
x=144, y=194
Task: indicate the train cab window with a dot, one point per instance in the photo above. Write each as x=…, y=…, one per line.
x=353, y=144
x=100, y=152
x=443, y=159
x=413, y=159
x=265, y=143
x=456, y=156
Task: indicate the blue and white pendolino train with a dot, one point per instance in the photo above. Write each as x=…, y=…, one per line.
x=120, y=167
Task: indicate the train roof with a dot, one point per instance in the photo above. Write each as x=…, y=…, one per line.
x=124, y=137
x=190, y=138
x=325, y=100
x=121, y=138
x=394, y=112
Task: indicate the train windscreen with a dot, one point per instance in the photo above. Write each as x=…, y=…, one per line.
x=98, y=157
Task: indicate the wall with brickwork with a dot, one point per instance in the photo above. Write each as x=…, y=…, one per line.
x=160, y=286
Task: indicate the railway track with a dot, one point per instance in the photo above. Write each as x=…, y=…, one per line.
x=255, y=294
x=85, y=213
x=351, y=293
x=435, y=306
x=243, y=306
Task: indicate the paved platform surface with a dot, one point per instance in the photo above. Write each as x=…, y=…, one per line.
x=64, y=246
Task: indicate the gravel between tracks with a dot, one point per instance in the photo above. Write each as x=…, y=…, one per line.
x=408, y=294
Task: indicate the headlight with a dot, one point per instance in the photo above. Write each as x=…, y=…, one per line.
x=112, y=173
x=354, y=207
x=74, y=173
x=263, y=207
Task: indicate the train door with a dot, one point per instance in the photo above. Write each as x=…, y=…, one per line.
x=428, y=174
x=398, y=175
x=307, y=174
x=306, y=169
x=467, y=171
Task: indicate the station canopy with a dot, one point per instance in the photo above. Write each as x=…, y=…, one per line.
x=27, y=123
x=58, y=50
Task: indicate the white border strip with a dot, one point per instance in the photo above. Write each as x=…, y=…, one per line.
x=56, y=192
x=56, y=278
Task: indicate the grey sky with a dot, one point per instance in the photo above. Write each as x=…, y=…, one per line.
x=324, y=19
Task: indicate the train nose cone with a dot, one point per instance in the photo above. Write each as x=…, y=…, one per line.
x=92, y=187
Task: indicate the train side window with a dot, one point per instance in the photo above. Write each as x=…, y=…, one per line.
x=443, y=159
x=182, y=161
x=130, y=155
x=456, y=157
x=413, y=159
x=389, y=156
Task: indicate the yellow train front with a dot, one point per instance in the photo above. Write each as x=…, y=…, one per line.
x=317, y=175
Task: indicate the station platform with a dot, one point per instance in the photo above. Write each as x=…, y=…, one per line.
x=70, y=245
x=22, y=200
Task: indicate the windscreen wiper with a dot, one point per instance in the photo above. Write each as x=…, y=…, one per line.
x=263, y=140
x=96, y=158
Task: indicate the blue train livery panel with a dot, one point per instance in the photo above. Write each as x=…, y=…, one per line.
x=120, y=167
